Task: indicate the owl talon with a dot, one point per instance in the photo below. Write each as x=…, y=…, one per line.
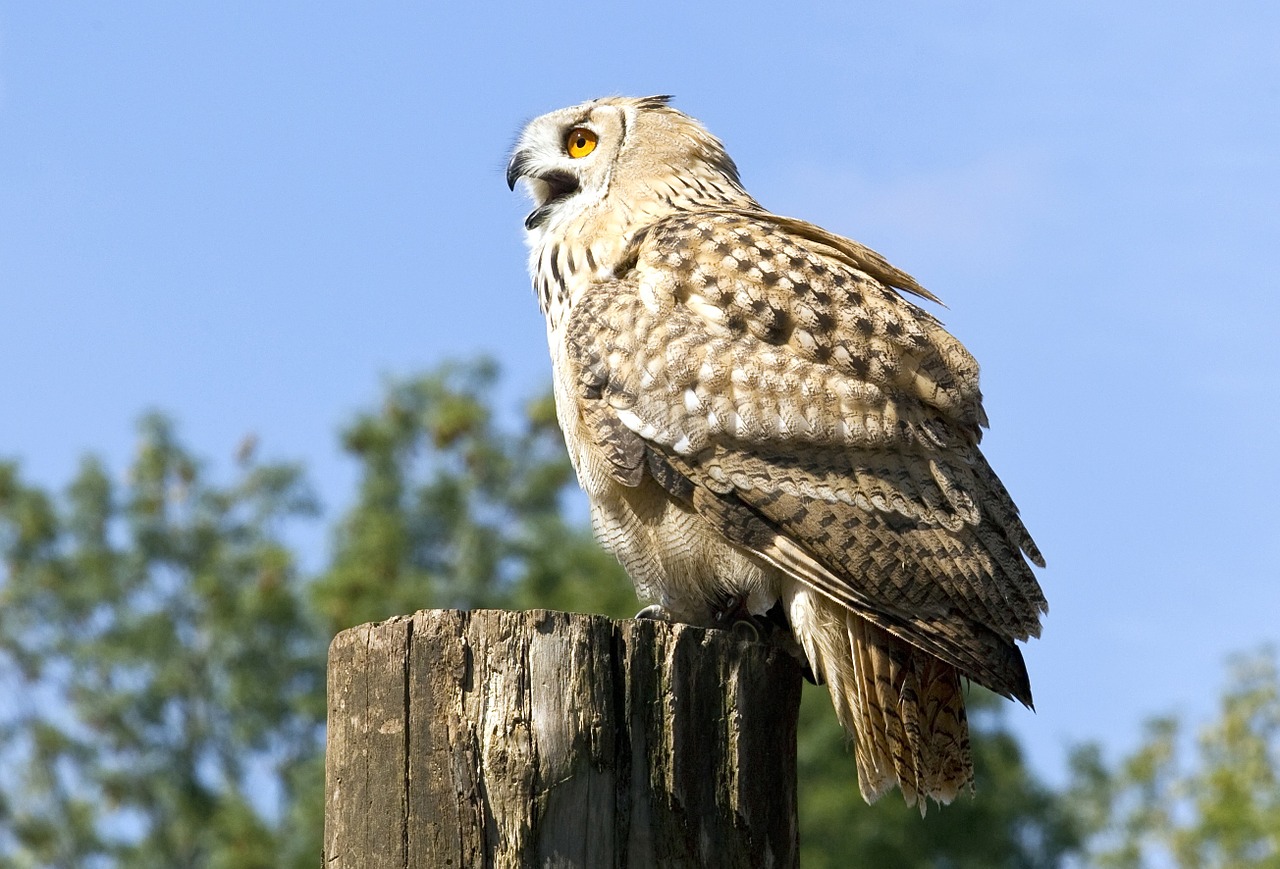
x=732, y=612
x=734, y=616
x=654, y=612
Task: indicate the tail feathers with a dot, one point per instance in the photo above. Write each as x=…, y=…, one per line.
x=903, y=707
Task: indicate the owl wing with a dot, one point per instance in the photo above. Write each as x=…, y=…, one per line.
x=768, y=375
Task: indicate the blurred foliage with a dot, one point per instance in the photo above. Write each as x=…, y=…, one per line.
x=165, y=656
x=160, y=661
x=1221, y=810
x=454, y=510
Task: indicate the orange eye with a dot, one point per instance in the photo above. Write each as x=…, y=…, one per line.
x=580, y=142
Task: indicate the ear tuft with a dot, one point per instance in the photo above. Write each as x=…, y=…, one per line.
x=654, y=102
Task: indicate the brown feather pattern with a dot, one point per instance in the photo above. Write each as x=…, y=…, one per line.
x=758, y=412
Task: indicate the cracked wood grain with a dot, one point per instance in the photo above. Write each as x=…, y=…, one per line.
x=549, y=739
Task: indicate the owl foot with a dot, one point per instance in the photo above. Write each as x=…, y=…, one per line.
x=654, y=612
x=772, y=627
x=731, y=612
x=733, y=616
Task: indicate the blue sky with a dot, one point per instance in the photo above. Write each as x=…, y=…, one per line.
x=250, y=215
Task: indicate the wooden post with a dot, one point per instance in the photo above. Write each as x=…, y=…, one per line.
x=549, y=739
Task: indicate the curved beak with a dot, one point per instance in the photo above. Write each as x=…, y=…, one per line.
x=548, y=186
x=517, y=168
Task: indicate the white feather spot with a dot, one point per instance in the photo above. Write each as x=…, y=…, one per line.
x=704, y=308
x=732, y=423
x=648, y=295
x=637, y=425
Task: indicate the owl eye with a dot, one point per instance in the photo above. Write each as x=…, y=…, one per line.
x=580, y=142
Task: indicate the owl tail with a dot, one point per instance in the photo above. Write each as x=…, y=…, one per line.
x=903, y=707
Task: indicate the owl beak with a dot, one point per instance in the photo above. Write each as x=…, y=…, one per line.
x=546, y=186
x=518, y=167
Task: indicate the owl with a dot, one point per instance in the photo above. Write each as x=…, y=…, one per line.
x=769, y=426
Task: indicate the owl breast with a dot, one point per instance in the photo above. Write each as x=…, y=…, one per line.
x=674, y=557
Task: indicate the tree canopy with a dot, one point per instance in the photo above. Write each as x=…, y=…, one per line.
x=1220, y=809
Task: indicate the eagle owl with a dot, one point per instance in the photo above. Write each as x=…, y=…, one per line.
x=765, y=423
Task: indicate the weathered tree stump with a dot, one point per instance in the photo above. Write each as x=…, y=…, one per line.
x=548, y=739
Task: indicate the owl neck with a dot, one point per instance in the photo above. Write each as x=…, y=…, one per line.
x=572, y=251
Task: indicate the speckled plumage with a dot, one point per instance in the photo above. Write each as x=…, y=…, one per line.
x=760, y=416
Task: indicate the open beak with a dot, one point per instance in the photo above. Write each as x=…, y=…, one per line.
x=547, y=187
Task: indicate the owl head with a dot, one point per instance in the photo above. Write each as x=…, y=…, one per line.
x=627, y=148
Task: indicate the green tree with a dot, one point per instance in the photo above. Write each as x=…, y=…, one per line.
x=456, y=510
x=163, y=663
x=1222, y=810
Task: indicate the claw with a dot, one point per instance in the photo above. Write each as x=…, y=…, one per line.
x=733, y=610
x=655, y=612
x=733, y=616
